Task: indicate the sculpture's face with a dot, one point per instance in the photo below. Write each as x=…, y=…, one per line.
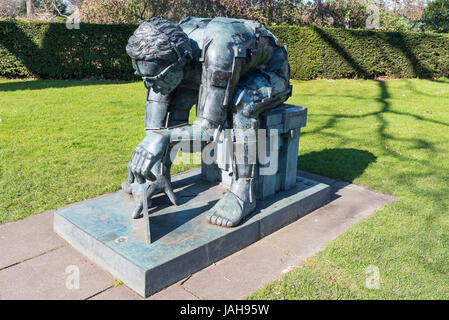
x=163, y=76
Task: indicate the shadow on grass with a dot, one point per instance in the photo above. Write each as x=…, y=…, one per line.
x=342, y=163
x=46, y=84
x=442, y=80
x=382, y=99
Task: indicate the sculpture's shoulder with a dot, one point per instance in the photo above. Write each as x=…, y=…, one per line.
x=194, y=28
x=231, y=39
x=223, y=31
x=222, y=40
x=192, y=24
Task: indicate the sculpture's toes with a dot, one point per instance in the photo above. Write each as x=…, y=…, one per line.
x=210, y=214
x=223, y=222
x=213, y=219
x=227, y=212
x=228, y=223
x=126, y=187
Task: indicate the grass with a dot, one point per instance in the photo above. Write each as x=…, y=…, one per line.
x=65, y=141
x=62, y=142
x=392, y=137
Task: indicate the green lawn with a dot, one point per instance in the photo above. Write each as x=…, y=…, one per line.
x=392, y=137
x=65, y=141
x=62, y=142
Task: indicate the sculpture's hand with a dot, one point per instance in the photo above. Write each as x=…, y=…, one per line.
x=145, y=155
x=150, y=188
x=143, y=176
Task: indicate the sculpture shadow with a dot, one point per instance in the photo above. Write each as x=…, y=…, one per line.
x=163, y=224
x=186, y=190
x=344, y=163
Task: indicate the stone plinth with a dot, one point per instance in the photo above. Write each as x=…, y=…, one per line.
x=183, y=242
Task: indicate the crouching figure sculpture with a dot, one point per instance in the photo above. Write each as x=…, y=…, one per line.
x=232, y=70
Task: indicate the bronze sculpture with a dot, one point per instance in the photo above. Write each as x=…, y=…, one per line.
x=232, y=69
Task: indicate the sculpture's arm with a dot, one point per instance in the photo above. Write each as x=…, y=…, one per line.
x=152, y=147
x=163, y=111
x=147, y=162
x=222, y=62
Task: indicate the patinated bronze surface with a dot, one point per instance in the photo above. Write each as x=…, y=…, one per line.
x=232, y=70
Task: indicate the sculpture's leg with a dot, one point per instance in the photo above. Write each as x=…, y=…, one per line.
x=261, y=90
x=240, y=200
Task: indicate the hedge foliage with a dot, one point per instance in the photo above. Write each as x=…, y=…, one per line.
x=340, y=53
x=50, y=50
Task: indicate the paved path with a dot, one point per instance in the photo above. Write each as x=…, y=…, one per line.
x=37, y=264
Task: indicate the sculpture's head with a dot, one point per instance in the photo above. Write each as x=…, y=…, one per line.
x=159, y=50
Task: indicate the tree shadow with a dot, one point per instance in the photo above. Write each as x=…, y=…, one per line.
x=442, y=80
x=360, y=71
x=40, y=84
x=344, y=163
x=394, y=39
x=397, y=40
x=348, y=164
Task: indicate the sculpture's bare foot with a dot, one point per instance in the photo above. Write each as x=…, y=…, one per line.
x=230, y=210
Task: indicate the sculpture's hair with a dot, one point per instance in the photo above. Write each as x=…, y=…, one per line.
x=155, y=38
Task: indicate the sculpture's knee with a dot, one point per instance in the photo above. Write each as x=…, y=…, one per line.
x=246, y=98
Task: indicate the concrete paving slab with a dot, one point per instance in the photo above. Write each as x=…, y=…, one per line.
x=174, y=292
x=117, y=293
x=47, y=277
x=241, y=273
x=311, y=233
x=312, y=176
x=122, y=292
x=356, y=201
x=27, y=238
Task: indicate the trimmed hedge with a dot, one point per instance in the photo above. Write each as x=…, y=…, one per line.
x=339, y=53
x=50, y=50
